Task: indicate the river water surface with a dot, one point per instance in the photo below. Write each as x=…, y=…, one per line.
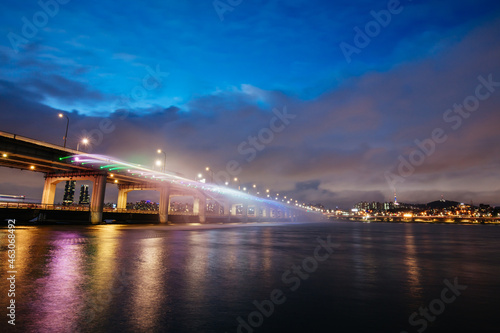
x=322, y=277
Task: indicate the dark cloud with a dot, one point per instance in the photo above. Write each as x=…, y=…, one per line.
x=336, y=149
x=63, y=89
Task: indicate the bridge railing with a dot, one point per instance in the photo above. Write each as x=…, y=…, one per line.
x=124, y=210
x=27, y=205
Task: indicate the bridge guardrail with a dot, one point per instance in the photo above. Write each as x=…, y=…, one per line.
x=27, y=205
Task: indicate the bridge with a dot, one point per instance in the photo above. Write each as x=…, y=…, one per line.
x=62, y=164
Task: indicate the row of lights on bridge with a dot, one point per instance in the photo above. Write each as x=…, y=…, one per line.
x=85, y=141
x=32, y=167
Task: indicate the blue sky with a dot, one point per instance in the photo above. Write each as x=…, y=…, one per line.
x=226, y=76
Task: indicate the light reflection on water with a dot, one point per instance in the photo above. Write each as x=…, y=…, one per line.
x=154, y=278
x=58, y=291
x=411, y=262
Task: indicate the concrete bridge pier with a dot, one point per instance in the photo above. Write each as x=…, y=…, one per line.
x=97, y=200
x=164, y=204
x=200, y=207
x=49, y=190
x=265, y=212
x=98, y=189
x=227, y=210
x=122, y=197
x=245, y=212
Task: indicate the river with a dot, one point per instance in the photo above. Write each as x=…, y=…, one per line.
x=255, y=277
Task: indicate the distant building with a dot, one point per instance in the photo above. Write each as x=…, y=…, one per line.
x=84, y=195
x=69, y=192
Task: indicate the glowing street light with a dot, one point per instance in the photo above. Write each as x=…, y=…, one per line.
x=211, y=173
x=159, y=151
x=84, y=141
x=67, y=126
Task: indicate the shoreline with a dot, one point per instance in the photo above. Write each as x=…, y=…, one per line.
x=457, y=221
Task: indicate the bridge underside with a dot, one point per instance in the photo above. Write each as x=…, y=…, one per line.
x=64, y=164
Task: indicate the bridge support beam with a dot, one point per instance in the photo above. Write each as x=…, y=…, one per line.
x=265, y=212
x=97, y=200
x=122, y=197
x=200, y=207
x=164, y=204
x=227, y=210
x=245, y=212
x=49, y=191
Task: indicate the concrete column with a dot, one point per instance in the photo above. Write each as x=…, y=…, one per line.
x=164, y=204
x=200, y=207
x=49, y=191
x=122, y=198
x=233, y=209
x=265, y=211
x=217, y=208
x=97, y=200
x=245, y=212
x=227, y=210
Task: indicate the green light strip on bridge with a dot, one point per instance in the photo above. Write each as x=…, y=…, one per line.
x=63, y=158
x=109, y=165
x=117, y=168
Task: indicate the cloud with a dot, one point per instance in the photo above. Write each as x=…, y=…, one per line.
x=335, y=151
x=63, y=89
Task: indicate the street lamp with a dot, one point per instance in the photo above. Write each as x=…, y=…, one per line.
x=67, y=125
x=85, y=142
x=211, y=174
x=201, y=179
x=236, y=180
x=159, y=151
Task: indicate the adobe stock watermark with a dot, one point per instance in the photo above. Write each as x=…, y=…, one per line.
x=151, y=81
x=39, y=20
x=436, y=307
x=372, y=29
x=255, y=144
x=454, y=117
x=292, y=278
x=221, y=7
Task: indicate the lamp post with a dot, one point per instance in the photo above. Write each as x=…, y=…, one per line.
x=85, y=141
x=67, y=126
x=201, y=179
x=159, y=151
x=211, y=173
x=237, y=180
